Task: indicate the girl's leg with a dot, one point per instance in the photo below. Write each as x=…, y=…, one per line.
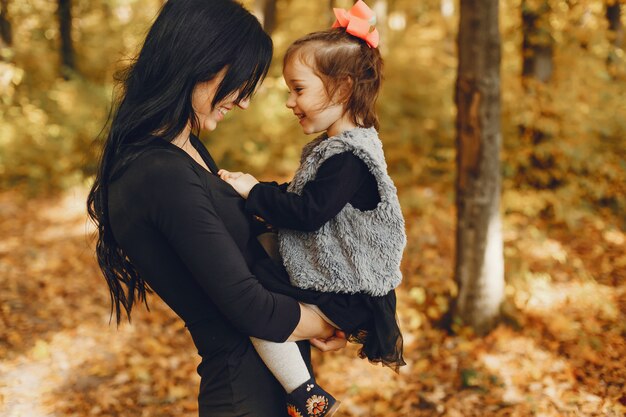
x=304, y=396
x=322, y=315
x=284, y=361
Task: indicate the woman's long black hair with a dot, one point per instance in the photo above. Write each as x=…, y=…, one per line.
x=189, y=43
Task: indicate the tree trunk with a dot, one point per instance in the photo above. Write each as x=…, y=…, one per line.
x=68, y=63
x=380, y=7
x=479, y=269
x=6, y=33
x=537, y=44
x=616, y=34
x=537, y=69
x=616, y=29
x=265, y=11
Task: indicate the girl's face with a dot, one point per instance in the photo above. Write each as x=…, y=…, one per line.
x=309, y=101
x=202, y=97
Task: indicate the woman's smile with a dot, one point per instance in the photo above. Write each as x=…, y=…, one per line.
x=220, y=113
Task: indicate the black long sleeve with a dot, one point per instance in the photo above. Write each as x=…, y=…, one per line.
x=341, y=179
x=166, y=218
x=283, y=186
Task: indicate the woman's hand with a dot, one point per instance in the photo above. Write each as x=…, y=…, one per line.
x=336, y=342
x=242, y=183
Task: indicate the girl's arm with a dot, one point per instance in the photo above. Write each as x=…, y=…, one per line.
x=336, y=182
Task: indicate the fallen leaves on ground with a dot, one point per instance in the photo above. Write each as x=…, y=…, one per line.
x=559, y=352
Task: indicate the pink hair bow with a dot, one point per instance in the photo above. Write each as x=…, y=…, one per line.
x=358, y=21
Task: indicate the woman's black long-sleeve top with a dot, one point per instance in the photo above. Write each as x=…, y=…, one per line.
x=187, y=234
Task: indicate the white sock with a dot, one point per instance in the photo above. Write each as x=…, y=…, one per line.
x=284, y=361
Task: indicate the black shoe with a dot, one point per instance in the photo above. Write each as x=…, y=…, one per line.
x=310, y=400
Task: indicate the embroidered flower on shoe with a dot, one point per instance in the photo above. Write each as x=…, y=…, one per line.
x=293, y=411
x=316, y=405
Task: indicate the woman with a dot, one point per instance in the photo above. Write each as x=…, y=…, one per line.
x=166, y=220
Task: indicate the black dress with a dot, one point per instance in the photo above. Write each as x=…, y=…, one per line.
x=341, y=179
x=188, y=235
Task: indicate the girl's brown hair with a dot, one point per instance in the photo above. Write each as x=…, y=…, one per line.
x=341, y=59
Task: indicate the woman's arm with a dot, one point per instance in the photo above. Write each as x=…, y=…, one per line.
x=180, y=208
x=312, y=325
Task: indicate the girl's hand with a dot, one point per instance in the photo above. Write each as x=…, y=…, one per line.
x=242, y=183
x=336, y=342
x=224, y=175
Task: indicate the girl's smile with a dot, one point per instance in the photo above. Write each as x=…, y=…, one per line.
x=310, y=103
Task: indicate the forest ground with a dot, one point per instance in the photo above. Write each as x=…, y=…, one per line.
x=559, y=352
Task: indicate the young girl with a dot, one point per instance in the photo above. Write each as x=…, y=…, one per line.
x=341, y=231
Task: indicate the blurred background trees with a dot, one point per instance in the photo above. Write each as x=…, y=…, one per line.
x=68, y=62
x=6, y=33
x=562, y=83
x=547, y=97
x=563, y=66
x=538, y=43
x=265, y=10
x=615, y=34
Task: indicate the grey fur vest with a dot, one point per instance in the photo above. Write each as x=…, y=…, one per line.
x=356, y=251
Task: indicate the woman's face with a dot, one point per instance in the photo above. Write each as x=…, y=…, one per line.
x=202, y=97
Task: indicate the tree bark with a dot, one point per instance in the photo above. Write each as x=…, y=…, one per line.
x=68, y=61
x=537, y=43
x=6, y=32
x=265, y=10
x=479, y=269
